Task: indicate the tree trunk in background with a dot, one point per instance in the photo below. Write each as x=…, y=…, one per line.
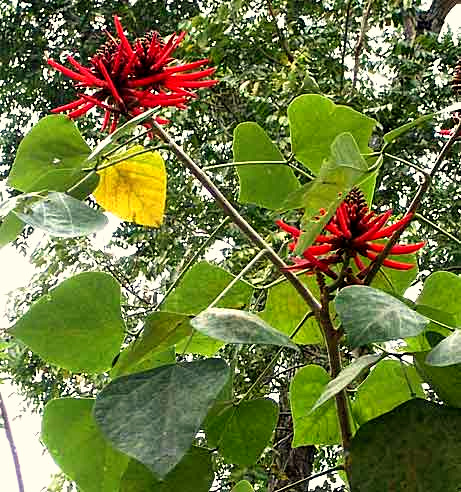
x=431, y=20
x=290, y=464
x=293, y=464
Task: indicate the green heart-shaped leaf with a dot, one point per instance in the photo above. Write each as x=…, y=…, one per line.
x=154, y=416
x=78, y=325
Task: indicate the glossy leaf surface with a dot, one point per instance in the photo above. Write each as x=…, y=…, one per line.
x=234, y=326
x=447, y=352
x=61, y=215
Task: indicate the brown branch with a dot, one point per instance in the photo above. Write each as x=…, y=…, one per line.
x=359, y=44
x=238, y=220
x=282, y=38
x=9, y=436
x=332, y=337
x=344, y=48
x=434, y=18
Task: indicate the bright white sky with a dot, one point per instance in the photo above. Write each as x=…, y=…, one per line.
x=37, y=467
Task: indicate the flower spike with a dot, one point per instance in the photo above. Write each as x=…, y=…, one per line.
x=125, y=79
x=352, y=230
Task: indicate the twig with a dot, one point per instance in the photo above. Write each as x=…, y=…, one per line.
x=248, y=267
x=282, y=38
x=126, y=158
x=9, y=436
x=196, y=255
x=332, y=337
x=415, y=203
x=241, y=223
x=359, y=44
x=311, y=477
x=242, y=163
x=344, y=49
x=437, y=228
x=132, y=139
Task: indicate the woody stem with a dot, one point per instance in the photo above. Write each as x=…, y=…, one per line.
x=332, y=337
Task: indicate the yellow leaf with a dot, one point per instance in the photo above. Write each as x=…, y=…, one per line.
x=134, y=189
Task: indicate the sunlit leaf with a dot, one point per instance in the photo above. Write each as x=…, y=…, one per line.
x=315, y=122
x=389, y=384
x=317, y=427
x=135, y=188
x=243, y=486
x=442, y=290
x=50, y=157
x=322, y=196
x=285, y=308
x=10, y=228
x=200, y=287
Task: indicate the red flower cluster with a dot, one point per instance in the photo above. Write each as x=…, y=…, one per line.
x=127, y=79
x=350, y=233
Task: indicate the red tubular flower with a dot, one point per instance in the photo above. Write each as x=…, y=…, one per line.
x=350, y=233
x=127, y=79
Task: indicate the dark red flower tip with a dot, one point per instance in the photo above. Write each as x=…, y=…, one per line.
x=125, y=79
x=348, y=234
